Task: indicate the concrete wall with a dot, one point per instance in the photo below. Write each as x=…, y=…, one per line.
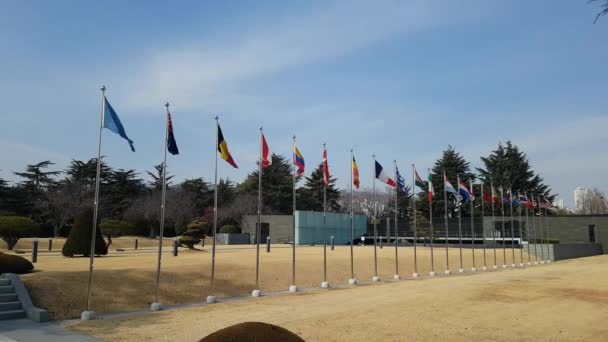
x=310, y=227
x=233, y=239
x=576, y=250
x=280, y=227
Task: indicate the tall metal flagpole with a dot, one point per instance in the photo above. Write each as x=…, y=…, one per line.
x=521, y=236
x=493, y=223
x=472, y=228
x=352, y=280
x=528, y=228
x=459, y=225
x=375, y=278
x=89, y=314
x=396, y=276
x=540, y=230
x=324, y=284
x=445, y=218
x=512, y=230
x=535, y=233
x=432, y=273
x=156, y=305
x=547, y=227
x=293, y=287
x=415, y=274
x=258, y=229
x=211, y=298
x=483, y=229
x=502, y=209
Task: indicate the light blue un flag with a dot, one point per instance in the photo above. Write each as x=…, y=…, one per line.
x=112, y=122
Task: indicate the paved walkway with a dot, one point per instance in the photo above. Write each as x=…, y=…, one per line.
x=25, y=330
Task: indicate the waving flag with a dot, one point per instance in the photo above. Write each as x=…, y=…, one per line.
x=355, y=173
x=298, y=160
x=418, y=181
x=400, y=180
x=325, y=169
x=487, y=198
x=266, y=155
x=112, y=122
x=431, y=193
x=383, y=177
x=448, y=186
x=465, y=192
x=222, y=147
x=171, y=144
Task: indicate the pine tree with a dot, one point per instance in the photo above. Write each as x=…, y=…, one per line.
x=277, y=186
x=310, y=197
x=200, y=193
x=36, y=179
x=453, y=164
x=123, y=188
x=508, y=167
x=79, y=240
x=157, y=178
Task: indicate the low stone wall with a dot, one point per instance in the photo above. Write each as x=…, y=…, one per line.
x=233, y=239
x=576, y=250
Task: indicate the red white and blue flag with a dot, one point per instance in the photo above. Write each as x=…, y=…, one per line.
x=465, y=192
x=383, y=177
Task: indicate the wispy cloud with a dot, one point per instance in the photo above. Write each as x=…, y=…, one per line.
x=198, y=72
x=16, y=156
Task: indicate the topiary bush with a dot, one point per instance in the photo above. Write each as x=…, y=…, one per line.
x=79, y=240
x=192, y=237
x=201, y=225
x=229, y=229
x=117, y=227
x=14, y=264
x=12, y=228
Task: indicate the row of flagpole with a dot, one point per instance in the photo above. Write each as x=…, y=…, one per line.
x=109, y=119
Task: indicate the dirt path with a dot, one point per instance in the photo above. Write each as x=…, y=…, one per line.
x=564, y=301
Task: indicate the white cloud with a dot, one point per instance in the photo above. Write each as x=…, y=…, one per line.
x=198, y=72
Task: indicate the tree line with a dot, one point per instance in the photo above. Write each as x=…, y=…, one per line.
x=52, y=198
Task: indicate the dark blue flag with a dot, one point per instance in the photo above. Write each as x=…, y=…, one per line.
x=400, y=181
x=112, y=122
x=171, y=144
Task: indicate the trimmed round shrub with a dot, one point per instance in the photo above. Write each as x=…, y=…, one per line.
x=12, y=228
x=201, y=225
x=79, y=240
x=117, y=227
x=229, y=229
x=188, y=241
x=14, y=264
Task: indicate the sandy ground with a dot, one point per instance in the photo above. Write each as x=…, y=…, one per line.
x=126, y=282
x=563, y=301
x=124, y=242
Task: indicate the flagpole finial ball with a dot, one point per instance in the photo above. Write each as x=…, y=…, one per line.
x=261, y=128
x=167, y=104
x=103, y=88
x=216, y=117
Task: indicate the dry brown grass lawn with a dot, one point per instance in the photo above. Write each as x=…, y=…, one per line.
x=563, y=301
x=126, y=282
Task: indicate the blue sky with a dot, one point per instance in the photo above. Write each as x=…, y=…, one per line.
x=402, y=79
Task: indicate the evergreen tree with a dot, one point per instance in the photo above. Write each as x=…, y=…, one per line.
x=123, y=188
x=79, y=240
x=453, y=164
x=310, y=197
x=226, y=193
x=277, y=186
x=200, y=193
x=157, y=178
x=84, y=173
x=508, y=167
x=36, y=179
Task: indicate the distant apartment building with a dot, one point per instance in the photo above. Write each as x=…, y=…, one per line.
x=559, y=203
x=580, y=194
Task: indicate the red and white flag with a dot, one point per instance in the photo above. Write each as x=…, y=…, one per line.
x=266, y=155
x=383, y=177
x=325, y=169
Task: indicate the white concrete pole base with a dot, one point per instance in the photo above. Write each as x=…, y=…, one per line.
x=156, y=307
x=293, y=288
x=87, y=315
x=473, y=269
x=504, y=266
x=396, y=277
x=256, y=293
x=512, y=265
x=211, y=299
x=352, y=281
x=461, y=270
x=325, y=285
x=447, y=272
x=375, y=279
x=485, y=268
x=432, y=274
x=549, y=261
x=495, y=267
x=414, y=275
x=542, y=261
x=521, y=264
